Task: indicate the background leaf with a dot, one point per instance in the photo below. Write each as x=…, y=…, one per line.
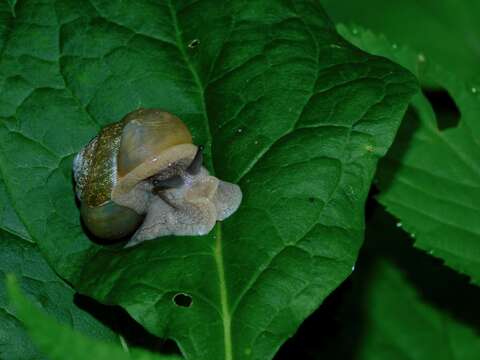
x=286, y=108
x=59, y=341
x=394, y=306
x=409, y=313
x=430, y=177
x=46, y=290
x=399, y=307
x=450, y=32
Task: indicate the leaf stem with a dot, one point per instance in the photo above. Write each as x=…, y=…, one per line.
x=227, y=320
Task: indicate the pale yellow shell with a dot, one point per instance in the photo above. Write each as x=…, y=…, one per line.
x=151, y=141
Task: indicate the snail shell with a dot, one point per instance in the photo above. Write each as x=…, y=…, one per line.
x=143, y=175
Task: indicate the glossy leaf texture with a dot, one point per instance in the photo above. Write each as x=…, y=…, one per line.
x=9, y=220
x=430, y=178
x=398, y=306
x=46, y=290
x=285, y=108
x=449, y=28
x=59, y=341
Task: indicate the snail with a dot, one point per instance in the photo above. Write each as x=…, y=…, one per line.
x=143, y=177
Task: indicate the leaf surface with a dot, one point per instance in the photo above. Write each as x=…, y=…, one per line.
x=60, y=341
x=449, y=29
x=46, y=290
x=430, y=178
x=9, y=220
x=399, y=307
x=285, y=107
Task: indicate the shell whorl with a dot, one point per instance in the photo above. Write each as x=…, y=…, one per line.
x=147, y=133
x=125, y=153
x=95, y=166
x=151, y=141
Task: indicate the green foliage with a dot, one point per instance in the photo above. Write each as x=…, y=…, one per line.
x=285, y=107
x=295, y=115
x=398, y=307
x=59, y=341
x=429, y=179
x=9, y=219
x=46, y=290
x=445, y=31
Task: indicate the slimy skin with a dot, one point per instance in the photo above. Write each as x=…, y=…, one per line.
x=189, y=209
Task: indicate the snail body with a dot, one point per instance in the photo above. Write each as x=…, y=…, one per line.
x=144, y=176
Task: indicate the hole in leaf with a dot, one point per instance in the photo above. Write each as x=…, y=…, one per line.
x=182, y=300
x=446, y=111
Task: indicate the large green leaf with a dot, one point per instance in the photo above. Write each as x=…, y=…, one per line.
x=9, y=219
x=43, y=286
x=446, y=30
x=286, y=108
x=399, y=306
x=430, y=178
x=395, y=306
x=59, y=341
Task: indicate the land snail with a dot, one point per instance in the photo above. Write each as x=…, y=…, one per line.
x=143, y=177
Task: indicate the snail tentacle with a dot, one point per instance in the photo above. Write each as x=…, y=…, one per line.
x=196, y=164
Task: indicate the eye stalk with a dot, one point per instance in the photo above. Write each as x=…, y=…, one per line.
x=171, y=182
x=196, y=164
x=176, y=180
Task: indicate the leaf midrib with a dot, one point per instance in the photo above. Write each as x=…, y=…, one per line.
x=218, y=253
